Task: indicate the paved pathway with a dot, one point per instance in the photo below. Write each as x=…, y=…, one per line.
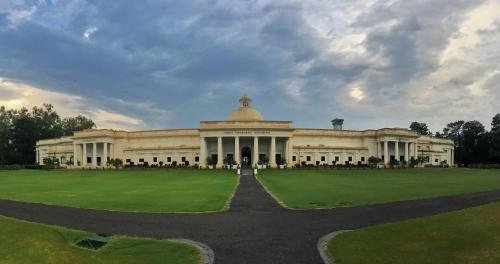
x=254, y=230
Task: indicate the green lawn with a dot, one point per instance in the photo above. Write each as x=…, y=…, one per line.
x=123, y=190
x=335, y=188
x=24, y=242
x=466, y=236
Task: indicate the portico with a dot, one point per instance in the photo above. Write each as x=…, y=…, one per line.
x=92, y=154
x=244, y=150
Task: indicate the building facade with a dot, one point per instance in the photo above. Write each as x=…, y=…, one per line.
x=245, y=138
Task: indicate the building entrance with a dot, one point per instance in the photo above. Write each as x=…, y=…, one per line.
x=246, y=156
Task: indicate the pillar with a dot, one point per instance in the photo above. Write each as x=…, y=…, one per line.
x=379, y=149
x=272, y=159
x=237, y=156
x=84, y=158
x=104, y=159
x=255, y=150
x=386, y=152
x=75, y=156
x=396, y=150
x=415, y=150
x=203, y=152
x=94, y=154
x=290, y=151
x=288, y=154
x=406, y=152
x=220, y=159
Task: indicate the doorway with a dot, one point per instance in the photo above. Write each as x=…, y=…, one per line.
x=246, y=156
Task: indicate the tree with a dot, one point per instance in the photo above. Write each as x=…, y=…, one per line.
x=5, y=134
x=47, y=121
x=21, y=129
x=495, y=123
x=72, y=124
x=24, y=135
x=420, y=128
x=454, y=132
x=494, y=138
x=475, y=142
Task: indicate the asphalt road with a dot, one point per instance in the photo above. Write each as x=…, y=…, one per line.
x=255, y=229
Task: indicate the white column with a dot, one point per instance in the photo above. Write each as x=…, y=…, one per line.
x=406, y=152
x=415, y=148
x=379, y=149
x=255, y=150
x=84, y=158
x=272, y=159
x=94, y=154
x=104, y=159
x=220, y=159
x=287, y=150
x=290, y=151
x=396, y=150
x=386, y=153
x=203, y=152
x=237, y=156
x=75, y=156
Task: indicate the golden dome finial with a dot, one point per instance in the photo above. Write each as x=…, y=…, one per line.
x=245, y=112
x=245, y=101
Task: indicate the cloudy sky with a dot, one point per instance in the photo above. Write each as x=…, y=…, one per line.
x=166, y=64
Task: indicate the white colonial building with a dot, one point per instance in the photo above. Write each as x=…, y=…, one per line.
x=245, y=137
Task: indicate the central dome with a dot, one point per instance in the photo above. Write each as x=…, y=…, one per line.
x=245, y=112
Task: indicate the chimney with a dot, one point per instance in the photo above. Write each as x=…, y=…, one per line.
x=337, y=123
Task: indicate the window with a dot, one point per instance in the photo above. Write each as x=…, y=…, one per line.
x=155, y=159
x=337, y=158
x=127, y=160
x=362, y=159
x=141, y=160
x=350, y=158
x=308, y=158
x=197, y=159
x=401, y=158
x=323, y=158
x=169, y=159
x=294, y=158
x=183, y=159
x=437, y=160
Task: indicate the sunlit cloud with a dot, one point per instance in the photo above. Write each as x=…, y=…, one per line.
x=25, y=95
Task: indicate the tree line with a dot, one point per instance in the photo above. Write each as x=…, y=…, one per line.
x=21, y=129
x=473, y=143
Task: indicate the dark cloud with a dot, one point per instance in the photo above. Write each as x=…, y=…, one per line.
x=173, y=63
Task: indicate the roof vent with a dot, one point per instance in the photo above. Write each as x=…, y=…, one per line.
x=337, y=123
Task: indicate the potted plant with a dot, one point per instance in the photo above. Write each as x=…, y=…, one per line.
x=210, y=163
x=282, y=163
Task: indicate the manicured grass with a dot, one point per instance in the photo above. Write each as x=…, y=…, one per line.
x=335, y=188
x=466, y=236
x=123, y=190
x=24, y=242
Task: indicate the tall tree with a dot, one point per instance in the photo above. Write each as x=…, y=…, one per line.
x=495, y=140
x=23, y=138
x=420, y=128
x=454, y=132
x=475, y=142
x=5, y=130
x=79, y=123
x=48, y=122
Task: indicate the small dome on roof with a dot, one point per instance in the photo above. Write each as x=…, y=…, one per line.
x=245, y=112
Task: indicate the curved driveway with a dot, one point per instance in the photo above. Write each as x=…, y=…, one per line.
x=255, y=229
